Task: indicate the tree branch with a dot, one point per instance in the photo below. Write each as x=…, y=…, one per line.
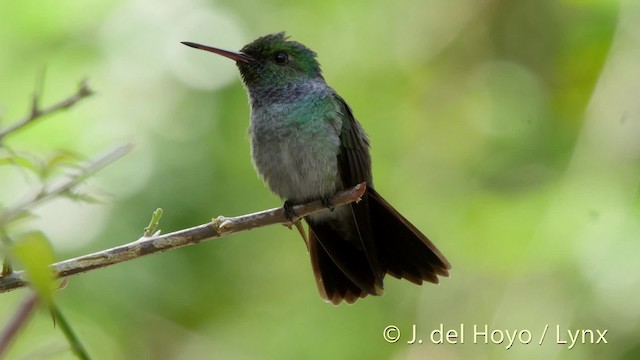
x=18, y=321
x=218, y=227
x=36, y=113
x=60, y=186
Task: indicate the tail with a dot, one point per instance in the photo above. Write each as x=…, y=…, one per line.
x=386, y=243
x=405, y=252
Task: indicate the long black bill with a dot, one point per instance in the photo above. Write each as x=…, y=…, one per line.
x=234, y=55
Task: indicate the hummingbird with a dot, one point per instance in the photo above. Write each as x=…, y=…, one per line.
x=306, y=144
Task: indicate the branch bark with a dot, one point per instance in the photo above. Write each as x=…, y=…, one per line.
x=18, y=321
x=218, y=227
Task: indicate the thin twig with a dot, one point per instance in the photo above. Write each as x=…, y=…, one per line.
x=219, y=227
x=19, y=319
x=36, y=113
x=67, y=183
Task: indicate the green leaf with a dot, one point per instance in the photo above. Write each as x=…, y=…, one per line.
x=20, y=161
x=59, y=159
x=35, y=253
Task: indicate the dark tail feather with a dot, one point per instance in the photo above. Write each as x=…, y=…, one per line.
x=333, y=284
x=339, y=265
x=389, y=244
x=404, y=251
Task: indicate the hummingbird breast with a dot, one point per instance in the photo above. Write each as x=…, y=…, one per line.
x=295, y=139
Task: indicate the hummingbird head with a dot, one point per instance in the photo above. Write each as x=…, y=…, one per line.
x=271, y=60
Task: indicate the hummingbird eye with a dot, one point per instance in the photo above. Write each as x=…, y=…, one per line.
x=281, y=58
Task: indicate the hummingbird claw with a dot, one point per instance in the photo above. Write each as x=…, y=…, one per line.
x=327, y=201
x=289, y=213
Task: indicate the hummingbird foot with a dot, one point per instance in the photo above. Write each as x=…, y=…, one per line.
x=289, y=213
x=327, y=201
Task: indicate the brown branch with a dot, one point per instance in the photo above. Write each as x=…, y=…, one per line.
x=36, y=113
x=219, y=227
x=19, y=319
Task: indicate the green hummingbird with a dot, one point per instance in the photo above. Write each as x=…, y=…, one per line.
x=306, y=144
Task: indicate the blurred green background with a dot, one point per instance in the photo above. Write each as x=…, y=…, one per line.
x=508, y=131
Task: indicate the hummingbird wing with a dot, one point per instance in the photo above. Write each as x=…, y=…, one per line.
x=349, y=264
x=354, y=160
x=354, y=164
x=346, y=263
x=404, y=252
